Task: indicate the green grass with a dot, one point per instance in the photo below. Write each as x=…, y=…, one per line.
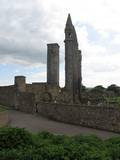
x=3, y=108
x=114, y=100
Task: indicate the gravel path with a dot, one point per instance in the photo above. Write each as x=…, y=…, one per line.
x=36, y=123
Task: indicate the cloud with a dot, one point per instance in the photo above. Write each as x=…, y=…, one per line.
x=116, y=39
x=38, y=76
x=24, y=32
x=26, y=26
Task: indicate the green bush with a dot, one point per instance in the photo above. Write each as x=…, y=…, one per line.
x=45, y=135
x=53, y=139
x=20, y=154
x=88, y=147
x=14, y=138
x=18, y=144
x=113, y=145
x=61, y=147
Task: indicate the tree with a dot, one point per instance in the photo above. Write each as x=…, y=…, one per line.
x=114, y=88
x=98, y=89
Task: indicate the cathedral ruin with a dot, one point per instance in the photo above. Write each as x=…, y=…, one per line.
x=50, y=91
x=72, y=62
x=63, y=104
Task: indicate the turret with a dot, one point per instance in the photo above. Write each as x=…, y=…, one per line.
x=20, y=83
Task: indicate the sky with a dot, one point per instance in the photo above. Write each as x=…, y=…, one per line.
x=26, y=26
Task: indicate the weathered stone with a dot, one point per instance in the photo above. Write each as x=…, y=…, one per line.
x=20, y=83
x=53, y=64
x=103, y=117
x=25, y=102
x=72, y=61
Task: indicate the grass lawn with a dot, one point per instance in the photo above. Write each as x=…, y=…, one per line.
x=3, y=108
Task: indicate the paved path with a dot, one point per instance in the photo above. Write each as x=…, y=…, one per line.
x=37, y=123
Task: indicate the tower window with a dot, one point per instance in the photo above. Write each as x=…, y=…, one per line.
x=69, y=34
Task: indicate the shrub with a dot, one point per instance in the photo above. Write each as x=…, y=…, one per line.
x=113, y=145
x=20, y=154
x=45, y=135
x=60, y=147
x=89, y=147
x=18, y=144
x=14, y=138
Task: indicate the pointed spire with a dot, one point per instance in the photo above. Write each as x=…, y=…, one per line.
x=69, y=22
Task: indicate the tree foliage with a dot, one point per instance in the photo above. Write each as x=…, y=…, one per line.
x=115, y=89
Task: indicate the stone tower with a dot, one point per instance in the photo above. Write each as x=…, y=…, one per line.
x=72, y=61
x=20, y=83
x=53, y=64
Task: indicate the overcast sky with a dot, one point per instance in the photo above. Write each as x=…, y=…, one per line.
x=26, y=26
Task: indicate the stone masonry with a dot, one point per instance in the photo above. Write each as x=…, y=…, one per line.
x=72, y=61
x=53, y=64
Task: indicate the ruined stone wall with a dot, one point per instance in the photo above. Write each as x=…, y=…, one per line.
x=103, y=117
x=11, y=97
x=25, y=102
x=7, y=95
x=49, y=93
x=43, y=91
x=36, y=87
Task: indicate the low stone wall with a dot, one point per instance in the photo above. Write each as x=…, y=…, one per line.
x=7, y=95
x=100, y=117
x=4, y=118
